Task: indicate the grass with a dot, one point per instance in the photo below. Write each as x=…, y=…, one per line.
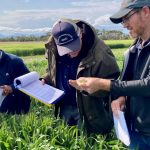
x=9, y=46
x=29, y=59
x=39, y=130
x=114, y=44
x=118, y=41
x=37, y=48
x=23, y=48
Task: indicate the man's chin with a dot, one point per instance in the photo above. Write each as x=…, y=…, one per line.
x=73, y=56
x=133, y=35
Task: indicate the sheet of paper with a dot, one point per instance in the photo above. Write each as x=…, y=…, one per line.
x=1, y=96
x=121, y=128
x=26, y=79
x=31, y=85
x=44, y=93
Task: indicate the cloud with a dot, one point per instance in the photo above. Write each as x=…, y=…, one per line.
x=23, y=31
x=25, y=1
x=19, y=17
x=91, y=11
x=102, y=20
x=95, y=12
x=96, y=3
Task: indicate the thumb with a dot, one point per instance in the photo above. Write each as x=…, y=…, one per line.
x=43, y=81
x=73, y=82
x=116, y=113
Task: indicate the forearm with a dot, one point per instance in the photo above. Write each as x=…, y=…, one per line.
x=104, y=84
x=131, y=88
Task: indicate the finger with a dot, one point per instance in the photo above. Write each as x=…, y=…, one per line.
x=122, y=107
x=82, y=85
x=43, y=81
x=5, y=93
x=115, y=112
x=114, y=108
x=115, y=105
x=81, y=81
x=73, y=83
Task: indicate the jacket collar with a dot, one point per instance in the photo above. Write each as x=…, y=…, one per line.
x=147, y=43
x=87, y=61
x=51, y=46
x=2, y=55
x=138, y=43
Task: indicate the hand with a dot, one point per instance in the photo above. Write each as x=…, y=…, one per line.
x=90, y=84
x=43, y=81
x=118, y=104
x=6, y=89
x=75, y=84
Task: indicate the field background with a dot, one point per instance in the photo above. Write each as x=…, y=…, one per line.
x=39, y=130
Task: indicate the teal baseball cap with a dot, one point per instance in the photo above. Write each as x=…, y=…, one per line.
x=126, y=7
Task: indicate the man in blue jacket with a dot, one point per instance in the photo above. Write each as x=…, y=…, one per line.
x=134, y=86
x=15, y=102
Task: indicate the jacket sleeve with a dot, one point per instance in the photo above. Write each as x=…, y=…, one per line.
x=50, y=55
x=46, y=75
x=106, y=68
x=131, y=88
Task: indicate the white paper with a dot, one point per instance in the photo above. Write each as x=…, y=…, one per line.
x=121, y=128
x=31, y=85
x=26, y=79
x=1, y=96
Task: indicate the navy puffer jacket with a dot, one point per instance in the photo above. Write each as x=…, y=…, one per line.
x=11, y=67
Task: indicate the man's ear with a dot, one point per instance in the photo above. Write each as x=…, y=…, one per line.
x=146, y=11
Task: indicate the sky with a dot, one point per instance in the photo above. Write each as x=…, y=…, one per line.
x=29, y=16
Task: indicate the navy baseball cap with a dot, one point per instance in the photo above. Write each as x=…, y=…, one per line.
x=126, y=7
x=66, y=36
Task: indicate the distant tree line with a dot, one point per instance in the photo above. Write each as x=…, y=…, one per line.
x=104, y=35
x=112, y=35
x=25, y=38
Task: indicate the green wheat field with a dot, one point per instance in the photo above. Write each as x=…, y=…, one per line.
x=39, y=129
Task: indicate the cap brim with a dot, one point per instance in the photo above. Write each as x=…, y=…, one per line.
x=71, y=47
x=117, y=17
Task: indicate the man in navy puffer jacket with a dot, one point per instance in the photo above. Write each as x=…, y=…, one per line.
x=15, y=101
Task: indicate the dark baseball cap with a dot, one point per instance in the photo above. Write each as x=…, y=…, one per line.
x=66, y=36
x=126, y=7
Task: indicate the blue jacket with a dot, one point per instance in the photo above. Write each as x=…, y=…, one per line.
x=11, y=67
